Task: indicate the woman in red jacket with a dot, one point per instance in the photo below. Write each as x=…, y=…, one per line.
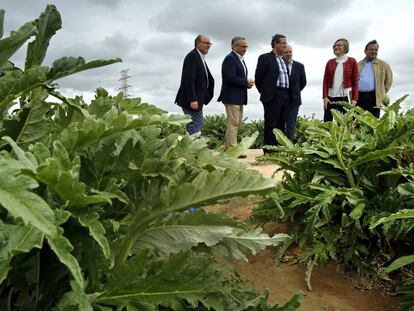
x=340, y=81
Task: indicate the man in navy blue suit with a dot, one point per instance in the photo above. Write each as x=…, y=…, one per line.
x=297, y=83
x=234, y=88
x=272, y=82
x=197, y=84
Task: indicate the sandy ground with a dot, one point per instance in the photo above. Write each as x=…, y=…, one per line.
x=331, y=289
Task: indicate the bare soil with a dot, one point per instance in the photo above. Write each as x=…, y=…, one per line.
x=332, y=289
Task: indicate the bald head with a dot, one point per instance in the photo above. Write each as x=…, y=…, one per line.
x=287, y=53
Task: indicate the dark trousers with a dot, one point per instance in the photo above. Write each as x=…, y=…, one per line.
x=367, y=101
x=328, y=114
x=275, y=116
x=291, y=117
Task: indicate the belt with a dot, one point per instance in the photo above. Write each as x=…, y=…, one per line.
x=370, y=92
x=282, y=88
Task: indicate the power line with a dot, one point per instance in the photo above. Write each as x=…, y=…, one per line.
x=124, y=82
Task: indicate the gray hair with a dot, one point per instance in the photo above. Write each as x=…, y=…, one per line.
x=198, y=39
x=345, y=42
x=236, y=40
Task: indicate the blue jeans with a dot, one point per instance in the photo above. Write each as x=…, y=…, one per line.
x=196, y=123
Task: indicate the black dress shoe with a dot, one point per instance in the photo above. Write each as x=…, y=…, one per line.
x=242, y=156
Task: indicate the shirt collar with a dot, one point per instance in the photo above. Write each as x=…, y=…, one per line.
x=203, y=57
x=238, y=55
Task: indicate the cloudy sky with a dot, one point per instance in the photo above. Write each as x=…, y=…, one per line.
x=152, y=38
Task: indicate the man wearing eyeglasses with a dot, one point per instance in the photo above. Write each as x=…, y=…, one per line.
x=197, y=84
x=234, y=87
x=375, y=79
x=272, y=82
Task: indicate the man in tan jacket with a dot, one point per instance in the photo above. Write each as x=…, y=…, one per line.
x=375, y=79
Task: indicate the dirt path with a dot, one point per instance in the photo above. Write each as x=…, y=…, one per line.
x=331, y=290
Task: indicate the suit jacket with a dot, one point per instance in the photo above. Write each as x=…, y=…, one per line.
x=234, y=77
x=266, y=76
x=297, y=82
x=193, y=86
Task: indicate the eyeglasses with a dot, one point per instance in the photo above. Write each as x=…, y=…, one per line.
x=243, y=46
x=337, y=45
x=206, y=42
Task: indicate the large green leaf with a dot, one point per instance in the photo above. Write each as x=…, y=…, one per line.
x=76, y=299
x=9, y=45
x=210, y=187
x=292, y=305
x=62, y=247
x=96, y=230
x=36, y=125
x=67, y=66
x=17, y=83
x=400, y=262
x=47, y=25
x=173, y=239
x=245, y=144
x=2, y=22
x=181, y=281
x=376, y=155
x=17, y=198
x=16, y=239
x=403, y=214
x=61, y=175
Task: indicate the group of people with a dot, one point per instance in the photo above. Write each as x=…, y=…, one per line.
x=279, y=81
x=364, y=83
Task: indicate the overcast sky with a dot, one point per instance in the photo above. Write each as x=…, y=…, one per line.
x=152, y=38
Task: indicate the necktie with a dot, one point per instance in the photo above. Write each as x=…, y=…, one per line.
x=245, y=68
x=205, y=67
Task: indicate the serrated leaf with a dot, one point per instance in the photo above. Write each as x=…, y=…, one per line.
x=76, y=299
x=67, y=66
x=282, y=139
x=16, y=239
x=47, y=25
x=96, y=230
x=9, y=45
x=173, y=239
x=17, y=83
x=36, y=125
x=62, y=248
x=245, y=144
x=376, y=155
x=403, y=214
x=18, y=199
x=2, y=11
x=207, y=187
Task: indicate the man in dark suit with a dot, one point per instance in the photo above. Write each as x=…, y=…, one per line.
x=197, y=84
x=272, y=82
x=234, y=88
x=297, y=83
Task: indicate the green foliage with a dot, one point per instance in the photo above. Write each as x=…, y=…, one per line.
x=342, y=182
x=214, y=130
x=93, y=199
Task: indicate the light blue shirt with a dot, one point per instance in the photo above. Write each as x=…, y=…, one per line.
x=367, y=78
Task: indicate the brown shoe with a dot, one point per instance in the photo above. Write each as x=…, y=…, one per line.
x=242, y=156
